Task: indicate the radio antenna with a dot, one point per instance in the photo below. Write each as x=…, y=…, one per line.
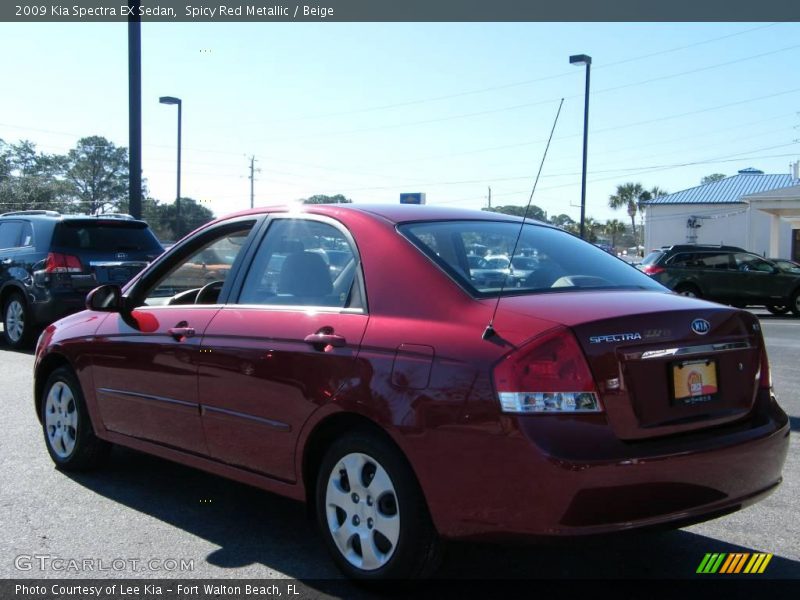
x=489, y=331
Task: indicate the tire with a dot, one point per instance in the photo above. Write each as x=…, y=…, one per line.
x=368, y=497
x=68, y=432
x=794, y=303
x=778, y=309
x=687, y=289
x=17, y=323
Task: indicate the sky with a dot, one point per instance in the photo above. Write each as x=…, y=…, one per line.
x=370, y=110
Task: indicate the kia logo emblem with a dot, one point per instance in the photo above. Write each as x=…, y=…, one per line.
x=701, y=326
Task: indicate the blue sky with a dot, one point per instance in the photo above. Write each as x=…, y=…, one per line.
x=374, y=109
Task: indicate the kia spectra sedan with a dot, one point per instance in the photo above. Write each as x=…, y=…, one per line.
x=409, y=401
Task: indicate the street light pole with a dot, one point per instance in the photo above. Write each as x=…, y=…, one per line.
x=173, y=100
x=583, y=59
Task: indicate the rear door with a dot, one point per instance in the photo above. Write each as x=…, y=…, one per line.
x=286, y=346
x=145, y=364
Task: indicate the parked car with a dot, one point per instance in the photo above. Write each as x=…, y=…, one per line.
x=725, y=274
x=407, y=403
x=49, y=261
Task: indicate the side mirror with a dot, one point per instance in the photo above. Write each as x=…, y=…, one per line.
x=106, y=298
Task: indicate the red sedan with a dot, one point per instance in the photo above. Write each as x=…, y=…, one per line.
x=409, y=401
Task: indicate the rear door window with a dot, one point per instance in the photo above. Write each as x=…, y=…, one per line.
x=302, y=262
x=9, y=234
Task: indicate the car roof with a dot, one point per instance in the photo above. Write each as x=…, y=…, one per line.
x=394, y=213
x=50, y=215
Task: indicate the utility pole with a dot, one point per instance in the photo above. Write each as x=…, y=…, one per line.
x=252, y=179
x=490, y=197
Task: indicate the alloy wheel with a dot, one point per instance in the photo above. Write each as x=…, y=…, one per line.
x=15, y=320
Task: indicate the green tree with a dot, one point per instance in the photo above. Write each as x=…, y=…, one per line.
x=30, y=180
x=628, y=196
x=97, y=172
x=162, y=218
x=565, y=222
x=323, y=199
x=614, y=228
x=712, y=178
x=533, y=211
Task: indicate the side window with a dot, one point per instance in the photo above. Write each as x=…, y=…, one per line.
x=684, y=260
x=303, y=263
x=751, y=262
x=9, y=234
x=27, y=235
x=719, y=261
x=199, y=277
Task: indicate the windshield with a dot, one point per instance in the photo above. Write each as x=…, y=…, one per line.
x=555, y=261
x=652, y=257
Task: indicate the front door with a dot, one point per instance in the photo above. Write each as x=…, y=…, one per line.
x=145, y=367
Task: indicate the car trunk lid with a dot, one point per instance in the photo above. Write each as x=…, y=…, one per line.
x=663, y=363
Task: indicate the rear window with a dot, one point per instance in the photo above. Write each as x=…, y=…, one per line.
x=105, y=236
x=554, y=260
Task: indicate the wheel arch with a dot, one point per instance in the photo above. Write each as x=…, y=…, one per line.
x=49, y=363
x=9, y=288
x=324, y=433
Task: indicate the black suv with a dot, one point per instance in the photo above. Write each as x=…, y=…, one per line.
x=725, y=274
x=49, y=261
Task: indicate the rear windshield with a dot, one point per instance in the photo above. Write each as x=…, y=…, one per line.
x=105, y=236
x=554, y=261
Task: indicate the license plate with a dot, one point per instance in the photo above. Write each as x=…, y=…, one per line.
x=694, y=381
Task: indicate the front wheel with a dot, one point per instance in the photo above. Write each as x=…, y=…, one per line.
x=17, y=325
x=795, y=303
x=371, y=511
x=68, y=432
x=778, y=309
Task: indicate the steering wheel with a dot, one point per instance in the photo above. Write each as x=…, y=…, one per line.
x=209, y=293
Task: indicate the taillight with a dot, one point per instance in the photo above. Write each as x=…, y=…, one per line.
x=62, y=263
x=764, y=373
x=652, y=269
x=549, y=374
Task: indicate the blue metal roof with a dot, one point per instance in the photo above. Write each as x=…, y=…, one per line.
x=729, y=190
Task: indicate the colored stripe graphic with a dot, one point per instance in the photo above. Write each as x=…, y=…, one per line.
x=734, y=563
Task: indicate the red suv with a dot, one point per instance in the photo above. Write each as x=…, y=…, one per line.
x=409, y=401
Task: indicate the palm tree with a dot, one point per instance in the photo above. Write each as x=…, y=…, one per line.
x=627, y=196
x=613, y=229
x=641, y=204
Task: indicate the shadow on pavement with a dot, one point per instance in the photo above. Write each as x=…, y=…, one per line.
x=252, y=527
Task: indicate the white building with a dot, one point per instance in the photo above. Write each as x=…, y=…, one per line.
x=752, y=210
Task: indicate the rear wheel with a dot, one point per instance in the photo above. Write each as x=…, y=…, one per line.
x=372, y=513
x=17, y=325
x=778, y=309
x=687, y=289
x=68, y=432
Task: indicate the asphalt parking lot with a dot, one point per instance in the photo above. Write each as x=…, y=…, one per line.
x=165, y=520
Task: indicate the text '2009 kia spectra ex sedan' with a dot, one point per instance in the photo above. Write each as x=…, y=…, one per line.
x=409, y=400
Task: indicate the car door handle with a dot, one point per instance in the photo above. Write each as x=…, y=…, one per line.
x=180, y=332
x=325, y=337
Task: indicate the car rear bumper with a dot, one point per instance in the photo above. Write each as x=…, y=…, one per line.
x=511, y=483
x=49, y=306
